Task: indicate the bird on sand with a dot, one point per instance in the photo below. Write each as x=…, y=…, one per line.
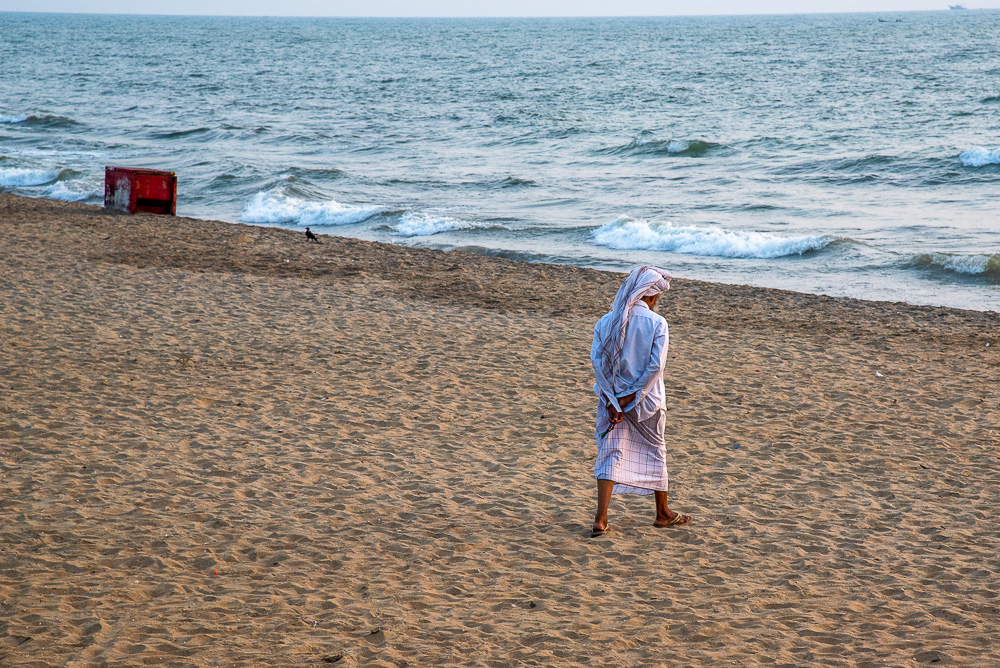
x=310, y=236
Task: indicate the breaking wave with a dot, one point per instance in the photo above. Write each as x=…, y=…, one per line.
x=45, y=120
x=975, y=265
x=424, y=224
x=70, y=191
x=276, y=209
x=634, y=234
x=977, y=156
x=670, y=147
x=22, y=177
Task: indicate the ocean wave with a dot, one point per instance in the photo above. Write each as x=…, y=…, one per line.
x=977, y=156
x=992, y=99
x=277, y=209
x=238, y=172
x=245, y=131
x=24, y=177
x=974, y=265
x=514, y=182
x=424, y=224
x=503, y=184
x=70, y=191
x=43, y=120
x=670, y=147
x=291, y=187
x=176, y=134
x=318, y=172
x=874, y=161
x=635, y=234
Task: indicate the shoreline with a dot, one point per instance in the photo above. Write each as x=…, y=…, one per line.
x=402, y=261
x=511, y=256
x=223, y=446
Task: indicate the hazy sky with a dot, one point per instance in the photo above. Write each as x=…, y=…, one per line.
x=480, y=7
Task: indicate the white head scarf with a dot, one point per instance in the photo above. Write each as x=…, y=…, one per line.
x=645, y=281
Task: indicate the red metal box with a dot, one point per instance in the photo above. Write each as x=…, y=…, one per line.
x=129, y=189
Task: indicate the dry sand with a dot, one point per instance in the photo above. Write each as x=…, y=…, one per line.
x=222, y=446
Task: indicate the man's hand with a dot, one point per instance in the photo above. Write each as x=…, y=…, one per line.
x=614, y=415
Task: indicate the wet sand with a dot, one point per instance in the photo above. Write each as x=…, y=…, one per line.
x=222, y=446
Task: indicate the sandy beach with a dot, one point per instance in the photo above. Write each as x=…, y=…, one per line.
x=222, y=446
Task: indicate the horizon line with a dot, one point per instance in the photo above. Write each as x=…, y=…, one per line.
x=467, y=17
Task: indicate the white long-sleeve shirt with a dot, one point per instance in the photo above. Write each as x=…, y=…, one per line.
x=644, y=356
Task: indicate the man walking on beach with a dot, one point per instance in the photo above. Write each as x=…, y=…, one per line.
x=628, y=354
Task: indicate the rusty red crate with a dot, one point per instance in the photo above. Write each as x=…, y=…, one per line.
x=130, y=189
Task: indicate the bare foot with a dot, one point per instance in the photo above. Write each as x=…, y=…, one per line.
x=671, y=520
x=600, y=526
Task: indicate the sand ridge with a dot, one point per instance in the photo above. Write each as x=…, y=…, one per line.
x=373, y=455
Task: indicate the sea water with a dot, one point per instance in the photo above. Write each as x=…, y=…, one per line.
x=852, y=154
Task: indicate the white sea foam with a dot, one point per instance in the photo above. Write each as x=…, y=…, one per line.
x=634, y=234
x=16, y=118
x=424, y=224
x=69, y=191
x=20, y=177
x=279, y=209
x=977, y=156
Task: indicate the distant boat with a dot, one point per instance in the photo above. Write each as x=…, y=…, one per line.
x=957, y=7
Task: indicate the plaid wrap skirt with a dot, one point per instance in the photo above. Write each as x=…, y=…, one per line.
x=633, y=454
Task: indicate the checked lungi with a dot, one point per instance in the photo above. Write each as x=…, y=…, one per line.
x=633, y=454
